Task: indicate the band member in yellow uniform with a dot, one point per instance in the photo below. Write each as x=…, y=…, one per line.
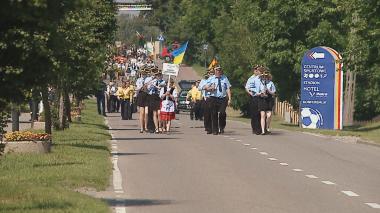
x=125, y=95
x=196, y=97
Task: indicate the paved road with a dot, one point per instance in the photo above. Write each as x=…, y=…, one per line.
x=189, y=171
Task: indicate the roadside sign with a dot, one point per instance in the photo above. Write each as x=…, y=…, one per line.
x=170, y=69
x=321, y=89
x=160, y=37
x=118, y=44
x=205, y=46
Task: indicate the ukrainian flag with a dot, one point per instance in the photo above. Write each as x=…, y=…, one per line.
x=179, y=53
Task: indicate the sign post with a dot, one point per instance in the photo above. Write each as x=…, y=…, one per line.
x=170, y=69
x=321, y=89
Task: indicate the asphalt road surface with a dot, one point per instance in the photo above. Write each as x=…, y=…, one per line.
x=190, y=171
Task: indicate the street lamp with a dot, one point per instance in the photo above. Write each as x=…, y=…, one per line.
x=205, y=46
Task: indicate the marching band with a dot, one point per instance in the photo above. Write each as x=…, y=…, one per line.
x=156, y=100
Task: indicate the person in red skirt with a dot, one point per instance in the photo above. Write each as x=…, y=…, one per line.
x=168, y=96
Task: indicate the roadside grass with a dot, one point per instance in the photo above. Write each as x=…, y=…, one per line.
x=46, y=183
x=369, y=132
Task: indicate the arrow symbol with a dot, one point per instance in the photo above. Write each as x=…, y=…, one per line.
x=315, y=55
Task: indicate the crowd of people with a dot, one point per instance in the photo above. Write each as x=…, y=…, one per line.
x=155, y=100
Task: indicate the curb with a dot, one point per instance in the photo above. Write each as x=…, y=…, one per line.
x=367, y=142
x=339, y=138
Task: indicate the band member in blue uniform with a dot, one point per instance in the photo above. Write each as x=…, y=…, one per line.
x=204, y=104
x=142, y=94
x=266, y=101
x=252, y=88
x=220, y=96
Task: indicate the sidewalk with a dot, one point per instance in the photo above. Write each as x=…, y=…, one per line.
x=25, y=123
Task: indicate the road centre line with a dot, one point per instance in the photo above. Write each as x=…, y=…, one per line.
x=263, y=153
x=311, y=176
x=272, y=159
x=254, y=148
x=328, y=182
x=297, y=170
x=284, y=164
x=246, y=144
x=373, y=205
x=350, y=193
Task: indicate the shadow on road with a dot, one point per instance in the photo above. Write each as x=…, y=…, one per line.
x=116, y=129
x=144, y=138
x=115, y=202
x=129, y=154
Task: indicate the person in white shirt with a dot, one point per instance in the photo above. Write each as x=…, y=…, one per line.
x=266, y=101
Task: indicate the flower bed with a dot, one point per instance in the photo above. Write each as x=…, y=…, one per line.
x=76, y=113
x=26, y=136
x=27, y=142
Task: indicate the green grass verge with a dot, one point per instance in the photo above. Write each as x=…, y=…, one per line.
x=369, y=132
x=46, y=182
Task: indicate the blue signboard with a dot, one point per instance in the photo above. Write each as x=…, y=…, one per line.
x=321, y=89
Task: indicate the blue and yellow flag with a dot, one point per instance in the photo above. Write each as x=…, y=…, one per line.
x=179, y=53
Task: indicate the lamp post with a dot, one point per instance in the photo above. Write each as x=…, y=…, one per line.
x=205, y=46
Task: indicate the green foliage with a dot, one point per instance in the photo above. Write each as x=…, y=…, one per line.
x=128, y=25
x=60, y=43
x=276, y=33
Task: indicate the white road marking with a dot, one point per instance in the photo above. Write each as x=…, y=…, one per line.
x=253, y=148
x=238, y=140
x=284, y=164
x=297, y=170
x=117, y=179
x=272, y=159
x=350, y=193
x=263, y=153
x=232, y=138
x=374, y=205
x=246, y=144
x=119, y=191
x=311, y=176
x=226, y=136
x=328, y=182
x=120, y=209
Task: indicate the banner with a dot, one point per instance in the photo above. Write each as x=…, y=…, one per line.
x=170, y=69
